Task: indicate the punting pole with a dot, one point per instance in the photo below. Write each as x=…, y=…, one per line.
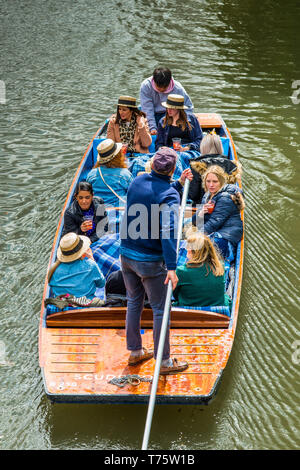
x=163, y=330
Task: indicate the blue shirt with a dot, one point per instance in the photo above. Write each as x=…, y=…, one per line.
x=117, y=178
x=79, y=278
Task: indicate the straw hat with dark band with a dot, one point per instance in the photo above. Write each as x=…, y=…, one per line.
x=127, y=101
x=72, y=247
x=107, y=150
x=175, y=102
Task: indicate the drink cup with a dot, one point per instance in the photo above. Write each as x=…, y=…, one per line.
x=89, y=219
x=176, y=143
x=210, y=207
x=124, y=148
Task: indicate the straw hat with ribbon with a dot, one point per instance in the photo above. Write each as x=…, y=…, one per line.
x=174, y=102
x=107, y=150
x=127, y=101
x=72, y=247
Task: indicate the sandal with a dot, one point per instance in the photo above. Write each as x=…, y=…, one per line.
x=133, y=360
x=174, y=368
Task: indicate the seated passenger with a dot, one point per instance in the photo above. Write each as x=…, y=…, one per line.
x=221, y=210
x=86, y=215
x=129, y=126
x=76, y=273
x=110, y=177
x=178, y=124
x=211, y=150
x=154, y=90
x=201, y=281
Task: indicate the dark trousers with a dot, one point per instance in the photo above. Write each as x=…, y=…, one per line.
x=142, y=277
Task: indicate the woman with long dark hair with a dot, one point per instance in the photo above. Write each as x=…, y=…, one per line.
x=178, y=124
x=86, y=215
x=129, y=126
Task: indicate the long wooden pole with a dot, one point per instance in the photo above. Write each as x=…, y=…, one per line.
x=163, y=330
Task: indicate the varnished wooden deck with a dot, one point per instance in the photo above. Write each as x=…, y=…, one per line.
x=80, y=363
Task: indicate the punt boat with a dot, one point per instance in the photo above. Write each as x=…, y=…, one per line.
x=82, y=352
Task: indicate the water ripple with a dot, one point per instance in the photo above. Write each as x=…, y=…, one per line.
x=64, y=71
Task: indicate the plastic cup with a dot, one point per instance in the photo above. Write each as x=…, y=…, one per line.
x=89, y=219
x=124, y=148
x=210, y=207
x=176, y=143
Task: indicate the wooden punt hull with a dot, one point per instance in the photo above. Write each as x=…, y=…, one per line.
x=81, y=351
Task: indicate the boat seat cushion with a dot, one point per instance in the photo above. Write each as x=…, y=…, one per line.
x=224, y=309
x=225, y=143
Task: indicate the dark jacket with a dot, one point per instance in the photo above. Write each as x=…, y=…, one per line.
x=225, y=218
x=73, y=219
x=195, y=134
x=200, y=164
x=158, y=228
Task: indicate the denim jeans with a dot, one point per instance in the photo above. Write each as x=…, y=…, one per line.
x=140, y=277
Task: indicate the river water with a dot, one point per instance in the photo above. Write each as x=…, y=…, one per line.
x=62, y=67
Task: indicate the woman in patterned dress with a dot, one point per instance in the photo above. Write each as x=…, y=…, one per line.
x=129, y=126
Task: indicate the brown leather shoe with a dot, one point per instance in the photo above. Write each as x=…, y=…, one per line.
x=133, y=360
x=175, y=368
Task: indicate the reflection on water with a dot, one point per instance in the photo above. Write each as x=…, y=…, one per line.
x=63, y=72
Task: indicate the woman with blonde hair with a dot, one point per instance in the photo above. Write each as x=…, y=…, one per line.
x=211, y=150
x=221, y=211
x=110, y=177
x=201, y=281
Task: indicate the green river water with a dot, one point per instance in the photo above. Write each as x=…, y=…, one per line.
x=62, y=67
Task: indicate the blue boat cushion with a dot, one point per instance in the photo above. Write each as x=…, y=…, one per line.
x=224, y=309
x=225, y=143
x=152, y=146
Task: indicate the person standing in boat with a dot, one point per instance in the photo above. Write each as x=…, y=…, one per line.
x=110, y=177
x=87, y=214
x=129, y=126
x=75, y=273
x=211, y=150
x=178, y=124
x=201, y=281
x=222, y=205
x=149, y=260
x=154, y=90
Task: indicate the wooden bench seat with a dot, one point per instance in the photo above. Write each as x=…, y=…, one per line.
x=209, y=120
x=114, y=317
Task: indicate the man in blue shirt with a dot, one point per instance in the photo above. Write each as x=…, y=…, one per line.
x=148, y=253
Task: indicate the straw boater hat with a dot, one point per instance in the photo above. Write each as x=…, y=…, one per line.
x=107, y=150
x=72, y=247
x=127, y=101
x=175, y=102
